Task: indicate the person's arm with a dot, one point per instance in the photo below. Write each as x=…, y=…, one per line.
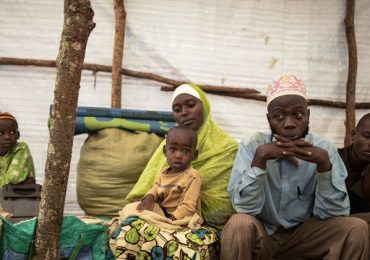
x=148, y=201
x=29, y=180
x=331, y=194
x=331, y=198
x=189, y=202
x=246, y=182
x=366, y=183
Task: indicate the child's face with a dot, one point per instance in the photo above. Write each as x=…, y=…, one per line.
x=180, y=150
x=8, y=135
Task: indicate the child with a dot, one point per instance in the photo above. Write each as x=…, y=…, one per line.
x=177, y=188
x=16, y=163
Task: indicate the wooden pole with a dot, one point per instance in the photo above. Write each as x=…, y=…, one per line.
x=349, y=22
x=76, y=30
x=246, y=93
x=119, y=37
x=127, y=72
x=311, y=102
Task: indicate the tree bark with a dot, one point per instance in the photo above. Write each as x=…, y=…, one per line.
x=76, y=30
x=349, y=22
x=119, y=38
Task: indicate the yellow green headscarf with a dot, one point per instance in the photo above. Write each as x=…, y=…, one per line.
x=217, y=152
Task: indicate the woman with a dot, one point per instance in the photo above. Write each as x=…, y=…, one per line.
x=216, y=152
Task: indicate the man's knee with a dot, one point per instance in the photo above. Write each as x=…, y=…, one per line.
x=239, y=223
x=238, y=236
x=356, y=230
x=357, y=224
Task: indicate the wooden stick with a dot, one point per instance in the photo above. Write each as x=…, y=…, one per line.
x=127, y=72
x=215, y=89
x=151, y=76
x=119, y=37
x=349, y=22
x=311, y=102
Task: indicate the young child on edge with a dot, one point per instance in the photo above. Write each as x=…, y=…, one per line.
x=16, y=163
x=177, y=189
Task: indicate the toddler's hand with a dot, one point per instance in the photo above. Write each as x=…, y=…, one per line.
x=147, y=203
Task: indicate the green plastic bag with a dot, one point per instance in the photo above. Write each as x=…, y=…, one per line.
x=78, y=240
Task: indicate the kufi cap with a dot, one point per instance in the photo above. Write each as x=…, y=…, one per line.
x=8, y=116
x=185, y=89
x=285, y=85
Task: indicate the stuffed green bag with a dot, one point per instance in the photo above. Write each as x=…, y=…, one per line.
x=78, y=240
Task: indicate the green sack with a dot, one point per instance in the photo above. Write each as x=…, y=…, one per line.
x=111, y=161
x=78, y=240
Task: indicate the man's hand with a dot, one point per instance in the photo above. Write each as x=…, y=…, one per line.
x=147, y=203
x=281, y=148
x=307, y=152
x=316, y=155
x=286, y=148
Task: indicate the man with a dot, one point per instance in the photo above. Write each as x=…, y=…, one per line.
x=356, y=157
x=288, y=189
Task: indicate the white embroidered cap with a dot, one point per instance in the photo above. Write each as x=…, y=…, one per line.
x=286, y=85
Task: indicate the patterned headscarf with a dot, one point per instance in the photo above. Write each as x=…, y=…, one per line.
x=285, y=85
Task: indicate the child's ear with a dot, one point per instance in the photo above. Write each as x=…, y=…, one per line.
x=18, y=135
x=195, y=155
x=164, y=149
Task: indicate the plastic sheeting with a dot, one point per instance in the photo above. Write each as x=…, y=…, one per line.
x=233, y=43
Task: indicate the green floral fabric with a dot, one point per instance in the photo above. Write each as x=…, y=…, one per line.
x=136, y=239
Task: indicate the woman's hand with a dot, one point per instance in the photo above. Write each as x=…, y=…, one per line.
x=147, y=203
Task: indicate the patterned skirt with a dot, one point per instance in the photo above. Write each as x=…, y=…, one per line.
x=136, y=239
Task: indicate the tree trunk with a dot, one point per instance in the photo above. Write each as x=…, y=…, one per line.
x=77, y=27
x=119, y=38
x=352, y=71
